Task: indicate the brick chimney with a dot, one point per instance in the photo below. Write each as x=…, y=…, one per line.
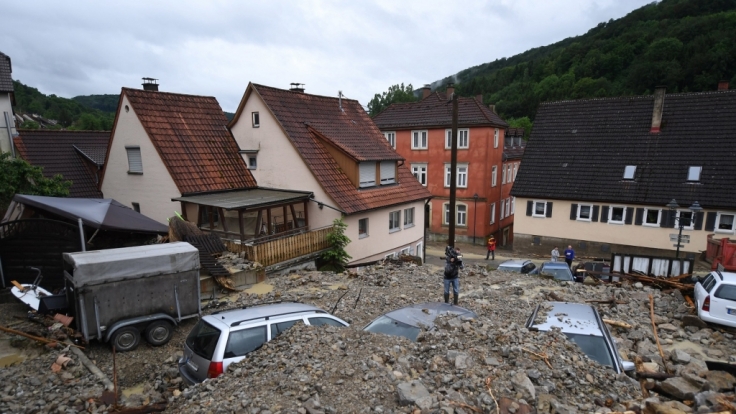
x=723, y=85
x=149, y=84
x=658, y=108
x=479, y=98
x=426, y=91
x=492, y=107
x=297, y=87
x=450, y=90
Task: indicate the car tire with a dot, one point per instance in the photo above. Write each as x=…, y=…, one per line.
x=126, y=339
x=159, y=333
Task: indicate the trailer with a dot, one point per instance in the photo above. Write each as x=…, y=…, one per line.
x=121, y=295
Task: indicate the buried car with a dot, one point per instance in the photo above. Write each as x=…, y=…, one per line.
x=715, y=297
x=557, y=270
x=583, y=325
x=517, y=266
x=408, y=321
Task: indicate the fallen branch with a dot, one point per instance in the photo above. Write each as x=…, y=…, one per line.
x=654, y=375
x=618, y=323
x=611, y=301
x=642, y=382
x=689, y=301
x=463, y=405
x=656, y=337
x=35, y=338
x=542, y=356
x=488, y=387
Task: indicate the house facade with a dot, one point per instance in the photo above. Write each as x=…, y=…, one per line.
x=421, y=132
x=329, y=146
x=600, y=174
x=7, y=120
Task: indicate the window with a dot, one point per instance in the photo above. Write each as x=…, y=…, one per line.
x=394, y=218
x=420, y=172
x=362, y=228
x=688, y=220
x=256, y=119
x=252, y=162
x=513, y=204
x=323, y=321
x=493, y=213
x=461, y=211
x=244, y=341
x=500, y=211
x=462, y=175
x=516, y=170
x=495, y=138
x=652, y=217
x=367, y=174
x=724, y=223
x=629, y=172
x=281, y=327
x=585, y=212
x=462, y=138
x=405, y=250
x=509, y=174
x=616, y=215
x=420, y=251
x=388, y=172
x=409, y=217
x=693, y=173
x=539, y=209
x=418, y=139
x=391, y=138
x=494, y=175
x=508, y=207
x=503, y=174
x=135, y=162
x=726, y=291
x=136, y=207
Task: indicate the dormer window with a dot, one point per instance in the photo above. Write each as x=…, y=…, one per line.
x=367, y=174
x=388, y=172
x=693, y=173
x=629, y=172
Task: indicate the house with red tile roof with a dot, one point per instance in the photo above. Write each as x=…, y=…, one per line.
x=7, y=124
x=421, y=132
x=78, y=156
x=330, y=147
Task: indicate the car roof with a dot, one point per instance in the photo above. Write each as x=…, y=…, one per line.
x=575, y=318
x=515, y=262
x=559, y=265
x=426, y=313
x=259, y=312
x=729, y=277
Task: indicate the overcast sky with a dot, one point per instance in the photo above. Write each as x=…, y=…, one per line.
x=215, y=48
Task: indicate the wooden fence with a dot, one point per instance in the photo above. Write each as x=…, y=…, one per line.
x=281, y=250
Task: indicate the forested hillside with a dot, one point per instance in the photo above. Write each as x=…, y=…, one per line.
x=686, y=45
x=104, y=103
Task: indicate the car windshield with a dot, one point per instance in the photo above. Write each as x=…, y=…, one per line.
x=510, y=268
x=203, y=339
x=558, y=274
x=389, y=326
x=593, y=346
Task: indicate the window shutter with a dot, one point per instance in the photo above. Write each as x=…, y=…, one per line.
x=594, y=217
x=529, y=206
x=669, y=217
x=367, y=174
x=710, y=221
x=604, y=214
x=388, y=172
x=639, y=216
x=135, y=163
x=549, y=209
x=629, y=215
x=573, y=211
x=699, y=221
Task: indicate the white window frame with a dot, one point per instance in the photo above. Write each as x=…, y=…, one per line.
x=366, y=234
x=252, y=162
x=644, y=217
x=391, y=138
x=136, y=151
x=461, y=176
x=420, y=170
x=463, y=138
x=391, y=255
x=390, y=168
x=420, y=251
x=544, y=208
x=716, y=228
x=629, y=172
x=503, y=174
x=693, y=173
x=500, y=211
x=408, y=213
x=458, y=214
x=256, y=119
x=405, y=250
x=419, y=139
x=610, y=215
x=367, y=184
x=495, y=138
x=516, y=170
x=590, y=212
x=509, y=173
x=508, y=207
x=397, y=215
x=494, y=175
x=513, y=205
x=493, y=213
x=692, y=220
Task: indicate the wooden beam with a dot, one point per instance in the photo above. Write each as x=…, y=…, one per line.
x=285, y=218
x=268, y=220
x=211, y=212
x=184, y=210
x=258, y=223
x=306, y=214
x=293, y=215
x=242, y=226
x=222, y=219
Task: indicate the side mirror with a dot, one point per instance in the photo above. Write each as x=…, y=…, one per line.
x=628, y=366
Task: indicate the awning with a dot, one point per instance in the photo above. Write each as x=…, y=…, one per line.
x=246, y=199
x=99, y=213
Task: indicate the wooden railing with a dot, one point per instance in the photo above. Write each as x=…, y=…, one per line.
x=283, y=249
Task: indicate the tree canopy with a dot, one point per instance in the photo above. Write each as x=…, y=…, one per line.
x=18, y=176
x=395, y=94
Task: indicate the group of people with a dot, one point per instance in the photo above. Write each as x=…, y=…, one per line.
x=569, y=255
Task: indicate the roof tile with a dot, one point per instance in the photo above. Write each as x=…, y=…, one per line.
x=6, y=80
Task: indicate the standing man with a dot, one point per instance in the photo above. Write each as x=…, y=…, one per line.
x=491, y=248
x=453, y=262
x=569, y=255
x=555, y=254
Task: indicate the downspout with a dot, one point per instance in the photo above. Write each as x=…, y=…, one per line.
x=81, y=235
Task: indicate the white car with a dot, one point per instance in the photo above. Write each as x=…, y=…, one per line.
x=715, y=297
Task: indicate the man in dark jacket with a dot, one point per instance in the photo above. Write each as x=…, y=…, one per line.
x=453, y=262
x=569, y=256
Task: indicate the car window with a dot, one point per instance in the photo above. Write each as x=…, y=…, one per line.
x=528, y=268
x=281, y=327
x=594, y=347
x=324, y=321
x=203, y=339
x=709, y=282
x=508, y=268
x=558, y=274
x=726, y=292
x=244, y=341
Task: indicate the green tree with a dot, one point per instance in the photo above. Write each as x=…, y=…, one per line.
x=336, y=258
x=18, y=176
x=29, y=125
x=395, y=94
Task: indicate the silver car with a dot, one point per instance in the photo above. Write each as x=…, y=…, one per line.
x=518, y=266
x=221, y=339
x=408, y=321
x=583, y=325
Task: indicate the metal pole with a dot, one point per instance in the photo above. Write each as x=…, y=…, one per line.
x=453, y=172
x=679, y=238
x=81, y=235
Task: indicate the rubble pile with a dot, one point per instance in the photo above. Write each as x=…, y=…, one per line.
x=236, y=262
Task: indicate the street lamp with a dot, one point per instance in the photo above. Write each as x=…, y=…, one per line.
x=695, y=208
x=475, y=213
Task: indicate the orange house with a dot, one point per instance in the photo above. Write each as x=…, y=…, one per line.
x=421, y=133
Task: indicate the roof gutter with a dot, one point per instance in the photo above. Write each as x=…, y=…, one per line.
x=321, y=205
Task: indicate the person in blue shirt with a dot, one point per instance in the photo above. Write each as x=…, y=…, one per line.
x=569, y=255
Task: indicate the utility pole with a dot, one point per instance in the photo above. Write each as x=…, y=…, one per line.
x=453, y=172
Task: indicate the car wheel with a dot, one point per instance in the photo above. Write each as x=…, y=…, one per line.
x=126, y=339
x=158, y=333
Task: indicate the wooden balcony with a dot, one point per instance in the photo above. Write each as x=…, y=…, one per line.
x=269, y=251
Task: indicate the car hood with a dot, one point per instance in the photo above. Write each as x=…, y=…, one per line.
x=425, y=313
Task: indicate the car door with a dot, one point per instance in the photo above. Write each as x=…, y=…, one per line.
x=700, y=291
x=723, y=303
x=242, y=342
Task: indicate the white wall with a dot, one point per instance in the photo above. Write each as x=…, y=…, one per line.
x=153, y=189
x=5, y=106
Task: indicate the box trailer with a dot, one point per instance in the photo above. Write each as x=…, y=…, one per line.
x=121, y=295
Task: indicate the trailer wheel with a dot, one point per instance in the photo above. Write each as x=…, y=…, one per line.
x=126, y=339
x=158, y=332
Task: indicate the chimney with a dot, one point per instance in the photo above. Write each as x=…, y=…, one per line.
x=658, y=107
x=426, y=91
x=297, y=87
x=450, y=90
x=149, y=84
x=479, y=98
x=492, y=107
x=723, y=85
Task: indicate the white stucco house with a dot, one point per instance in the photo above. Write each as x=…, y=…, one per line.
x=7, y=123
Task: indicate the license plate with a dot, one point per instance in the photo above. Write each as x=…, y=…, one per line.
x=731, y=311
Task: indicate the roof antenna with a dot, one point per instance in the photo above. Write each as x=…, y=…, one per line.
x=339, y=100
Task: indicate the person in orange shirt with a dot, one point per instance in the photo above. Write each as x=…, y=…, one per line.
x=491, y=248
